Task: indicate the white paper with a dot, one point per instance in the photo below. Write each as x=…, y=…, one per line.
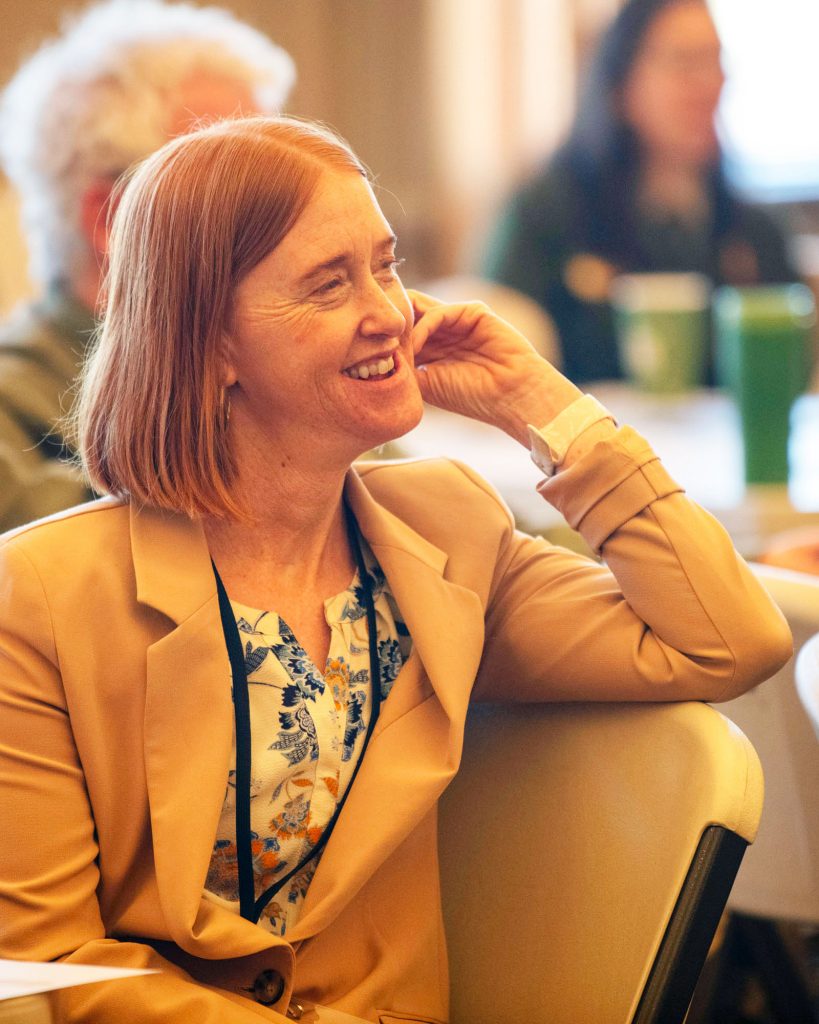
x=24, y=978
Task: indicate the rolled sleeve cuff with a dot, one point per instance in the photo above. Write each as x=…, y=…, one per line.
x=614, y=482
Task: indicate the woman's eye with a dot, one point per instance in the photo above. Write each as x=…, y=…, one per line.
x=391, y=266
x=330, y=286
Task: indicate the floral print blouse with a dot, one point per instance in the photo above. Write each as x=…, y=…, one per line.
x=307, y=734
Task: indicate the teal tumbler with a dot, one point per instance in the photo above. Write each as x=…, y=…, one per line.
x=763, y=337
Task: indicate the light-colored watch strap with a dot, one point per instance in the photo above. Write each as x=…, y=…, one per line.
x=549, y=444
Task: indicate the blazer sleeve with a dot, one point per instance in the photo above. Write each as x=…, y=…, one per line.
x=672, y=614
x=48, y=857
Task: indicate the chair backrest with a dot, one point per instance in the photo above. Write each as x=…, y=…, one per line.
x=587, y=851
x=779, y=878
x=34, y=1009
x=807, y=680
x=521, y=311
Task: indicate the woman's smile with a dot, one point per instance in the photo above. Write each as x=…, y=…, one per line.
x=373, y=368
x=321, y=329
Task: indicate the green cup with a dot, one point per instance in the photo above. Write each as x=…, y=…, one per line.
x=662, y=323
x=763, y=337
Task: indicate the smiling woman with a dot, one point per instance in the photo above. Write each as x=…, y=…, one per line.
x=320, y=332
x=236, y=687
x=197, y=219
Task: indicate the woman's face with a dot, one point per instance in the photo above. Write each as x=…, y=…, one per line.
x=319, y=350
x=670, y=97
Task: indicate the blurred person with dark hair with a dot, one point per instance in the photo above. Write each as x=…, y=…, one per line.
x=119, y=82
x=637, y=188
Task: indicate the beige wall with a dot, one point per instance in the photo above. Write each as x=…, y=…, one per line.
x=448, y=101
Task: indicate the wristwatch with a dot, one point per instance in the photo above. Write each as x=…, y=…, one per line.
x=549, y=444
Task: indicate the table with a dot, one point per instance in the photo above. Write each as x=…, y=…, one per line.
x=697, y=435
x=34, y=1009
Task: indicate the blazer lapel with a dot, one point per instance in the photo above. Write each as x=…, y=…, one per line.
x=188, y=718
x=416, y=746
x=414, y=751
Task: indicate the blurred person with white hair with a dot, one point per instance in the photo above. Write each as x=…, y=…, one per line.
x=122, y=79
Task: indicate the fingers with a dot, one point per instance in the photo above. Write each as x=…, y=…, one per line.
x=450, y=324
x=427, y=319
x=422, y=379
x=424, y=304
x=421, y=302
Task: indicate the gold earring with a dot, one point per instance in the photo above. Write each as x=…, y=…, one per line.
x=224, y=408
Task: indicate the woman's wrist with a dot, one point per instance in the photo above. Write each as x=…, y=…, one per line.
x=550, y=444
x=541, y=404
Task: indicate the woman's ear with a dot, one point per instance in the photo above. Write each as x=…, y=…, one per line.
x=228, y=375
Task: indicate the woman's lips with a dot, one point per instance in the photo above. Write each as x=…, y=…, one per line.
x=372, y=369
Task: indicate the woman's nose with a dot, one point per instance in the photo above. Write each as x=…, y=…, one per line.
x=710, y=75
x=381, y=316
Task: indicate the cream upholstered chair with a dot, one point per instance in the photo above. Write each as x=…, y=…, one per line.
x=777, y=888
x=518, y=309
x=26, y=1010
x=586, y=854
x=780, y=876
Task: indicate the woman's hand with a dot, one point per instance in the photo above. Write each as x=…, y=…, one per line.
x=470, y=361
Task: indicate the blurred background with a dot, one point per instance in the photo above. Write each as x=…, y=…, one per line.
x=453, y=102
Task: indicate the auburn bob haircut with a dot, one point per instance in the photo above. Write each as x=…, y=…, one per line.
x=191, y=221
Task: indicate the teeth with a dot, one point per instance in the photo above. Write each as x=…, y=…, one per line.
x=365, y=371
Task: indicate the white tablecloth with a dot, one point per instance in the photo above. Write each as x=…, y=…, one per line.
x=697, y=436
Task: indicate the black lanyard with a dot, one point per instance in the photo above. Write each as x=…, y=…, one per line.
x=250, y=907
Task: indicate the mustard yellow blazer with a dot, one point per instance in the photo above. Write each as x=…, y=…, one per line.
x=116, y=723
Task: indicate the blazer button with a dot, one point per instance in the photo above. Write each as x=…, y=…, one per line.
x=268, y=988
